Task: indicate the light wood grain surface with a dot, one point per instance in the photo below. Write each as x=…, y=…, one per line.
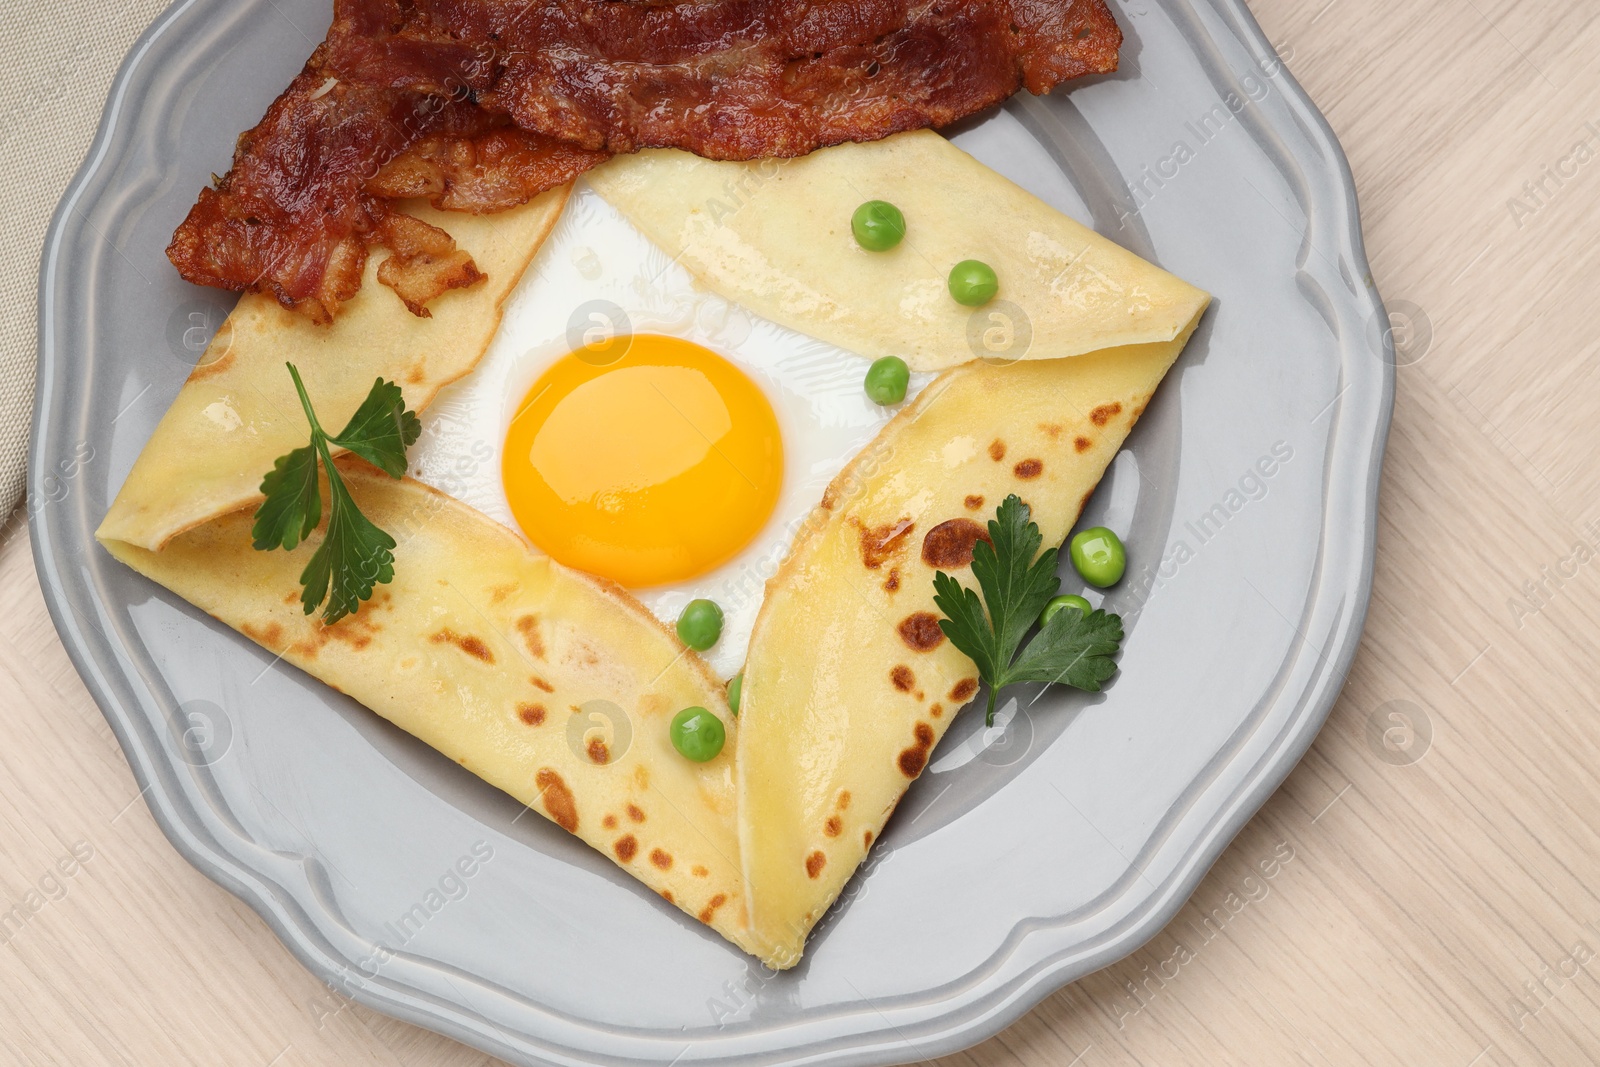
x=1425, y=889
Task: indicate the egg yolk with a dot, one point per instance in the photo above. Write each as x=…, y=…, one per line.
x=646, y=469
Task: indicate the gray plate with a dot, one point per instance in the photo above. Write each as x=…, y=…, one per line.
x=1016, y=864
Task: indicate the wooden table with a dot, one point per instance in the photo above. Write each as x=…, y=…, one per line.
x=1425, y=889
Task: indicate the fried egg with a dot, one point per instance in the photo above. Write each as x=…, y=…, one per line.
x=636, y=427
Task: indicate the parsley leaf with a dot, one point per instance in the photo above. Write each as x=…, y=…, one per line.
x=355, y=555
x=966, y=626
x=1072, y=648
x=293, y=506
x=381, y=429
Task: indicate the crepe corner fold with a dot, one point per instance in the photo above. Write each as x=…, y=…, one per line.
x=238, y=412
x=775, y=236
x=850, y=683
x=572, y=682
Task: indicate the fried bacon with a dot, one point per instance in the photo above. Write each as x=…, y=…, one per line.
x=289, y=217
x=305, y=198
x=423, y=262
x=480, y=105
x=500, y=169
x=725, y=79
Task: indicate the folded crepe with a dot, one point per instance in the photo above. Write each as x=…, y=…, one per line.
x=774, y=235
x=850, y=683
x=557, y=687
x=549, y=684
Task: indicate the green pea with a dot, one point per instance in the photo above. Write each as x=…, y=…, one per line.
x=698, y=734
x=973, y=283
x=1070, y=600
x=700, y=624
x=1098, y=555
x=878, y=225
x=735, y=690
x=887, y=379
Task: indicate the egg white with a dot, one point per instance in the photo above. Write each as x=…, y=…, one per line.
x=595, y=254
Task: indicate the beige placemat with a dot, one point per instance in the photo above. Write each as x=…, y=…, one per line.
x=59, y=58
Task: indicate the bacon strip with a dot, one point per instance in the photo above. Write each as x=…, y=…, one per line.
x=480, y=105
x=726, y=79
x=306, y=195
x=499, y=169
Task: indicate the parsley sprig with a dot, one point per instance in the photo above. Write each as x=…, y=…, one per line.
x=1072, y=648
x=355, y=555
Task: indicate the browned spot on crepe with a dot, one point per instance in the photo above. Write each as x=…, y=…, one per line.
x=269, y=635
x=902, y=678
x=1028, y=468
x=913, y=759
x=709, y=912
x=532, y=714
x=950, y=543
x=204, y=370
x=472, y=646
x=879, y=543
x=528, y=627
x=558, y=799
x=354, y=630
x=1102, y=414
x=814, y=864
x=920, y=631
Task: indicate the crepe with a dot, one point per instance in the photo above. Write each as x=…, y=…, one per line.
x=546, y=683
x=549, y=684
x=849, y=682
x=557, y=687
x=774, y=235
x=238, y=411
